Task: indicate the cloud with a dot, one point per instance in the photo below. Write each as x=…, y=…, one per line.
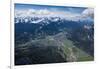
x=31, y=12
x=43, y=12
x=88, y=13
x=39, y=12
x=21, y=13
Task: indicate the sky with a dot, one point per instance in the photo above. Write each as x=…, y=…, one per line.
x=58, y=8
x=24, y=10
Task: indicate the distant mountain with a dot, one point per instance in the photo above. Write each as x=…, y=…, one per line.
x=53, y=39
x=52, y=19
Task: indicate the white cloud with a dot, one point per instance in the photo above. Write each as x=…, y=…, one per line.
x=31, y=12
x=50, y=13
x=42, y=12
x=21, y=13
x=88, y=13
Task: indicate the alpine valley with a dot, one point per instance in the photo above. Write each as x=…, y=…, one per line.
x=49, y=34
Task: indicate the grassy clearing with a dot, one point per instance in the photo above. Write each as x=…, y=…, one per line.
x=78, y=53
